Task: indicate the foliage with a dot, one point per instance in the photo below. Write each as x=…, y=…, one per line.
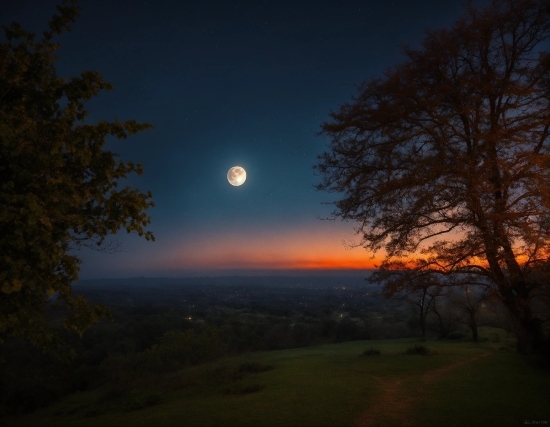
x=444, y=160
x=176, y=350
x=58, y=185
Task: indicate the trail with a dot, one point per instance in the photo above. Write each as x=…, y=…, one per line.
x=394, y=405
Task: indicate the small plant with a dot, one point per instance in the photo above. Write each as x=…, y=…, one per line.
x=421, y=350
x=371, y=352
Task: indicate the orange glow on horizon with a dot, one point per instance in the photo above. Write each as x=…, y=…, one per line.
x=302, y=249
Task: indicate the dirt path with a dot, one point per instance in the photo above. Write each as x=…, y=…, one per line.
x=394, y=404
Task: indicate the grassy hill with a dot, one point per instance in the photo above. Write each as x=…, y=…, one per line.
x=456, y=384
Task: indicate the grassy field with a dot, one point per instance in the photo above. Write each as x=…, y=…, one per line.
x=460, y=384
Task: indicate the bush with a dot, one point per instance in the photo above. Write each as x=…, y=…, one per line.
x=241, y=389
x=178, y=349
x=371, y=352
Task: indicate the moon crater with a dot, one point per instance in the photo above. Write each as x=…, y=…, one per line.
x=236, y=176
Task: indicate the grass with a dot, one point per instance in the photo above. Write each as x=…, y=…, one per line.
x=371, y=352
x=479, y=394
x=331, y=385
x=420, y=350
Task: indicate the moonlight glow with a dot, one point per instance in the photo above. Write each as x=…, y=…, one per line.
x=236, y=176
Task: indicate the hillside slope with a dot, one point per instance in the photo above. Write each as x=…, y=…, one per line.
x=459, y=383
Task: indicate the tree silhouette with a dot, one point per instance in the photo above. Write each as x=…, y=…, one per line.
x=417, y=288
x=58, y=186
x=469, y=301
x=444, y=160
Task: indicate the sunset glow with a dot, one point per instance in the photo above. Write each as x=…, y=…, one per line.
x=294, y=250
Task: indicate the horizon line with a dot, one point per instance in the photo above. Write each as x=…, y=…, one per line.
x=232, y=273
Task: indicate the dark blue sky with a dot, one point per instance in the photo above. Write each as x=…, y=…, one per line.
x=230, y=83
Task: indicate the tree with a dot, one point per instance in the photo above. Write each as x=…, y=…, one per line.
x=418, y=289
x=469, y=301
x=443, y=318
x=445, y=159
x=58, y=186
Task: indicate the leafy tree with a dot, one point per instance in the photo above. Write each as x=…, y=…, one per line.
x=444, y=160
x=58, y=185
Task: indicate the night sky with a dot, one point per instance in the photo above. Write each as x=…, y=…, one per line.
x=231, y=83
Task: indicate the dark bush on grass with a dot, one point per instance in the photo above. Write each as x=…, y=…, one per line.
x=420, y=350
x=241, y=389
x=371, y=352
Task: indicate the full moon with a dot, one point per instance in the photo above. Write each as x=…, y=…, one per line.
x=236, y=176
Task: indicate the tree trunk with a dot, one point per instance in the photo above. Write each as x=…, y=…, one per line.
x=443, y=332
x=473, y=325
x=422, y=323
x=528, y=329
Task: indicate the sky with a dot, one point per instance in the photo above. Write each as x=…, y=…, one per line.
x=231, y=83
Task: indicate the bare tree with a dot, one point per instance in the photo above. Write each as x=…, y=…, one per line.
x=420, y=290
x=469, y=301
x=443, y=315
x=444, y=160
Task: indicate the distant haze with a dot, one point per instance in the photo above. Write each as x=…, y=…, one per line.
x=224, y=274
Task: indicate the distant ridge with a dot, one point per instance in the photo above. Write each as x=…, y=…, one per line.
x=305, y=281
x=243, y=273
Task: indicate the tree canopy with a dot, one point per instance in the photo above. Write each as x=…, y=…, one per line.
x=58, y=185
x=443, y=161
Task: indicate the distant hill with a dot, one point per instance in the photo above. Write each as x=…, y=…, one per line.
x=305, y=281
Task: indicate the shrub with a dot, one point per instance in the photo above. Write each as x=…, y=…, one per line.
x=371, y=352
x=180, y=348
x=241, y=389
